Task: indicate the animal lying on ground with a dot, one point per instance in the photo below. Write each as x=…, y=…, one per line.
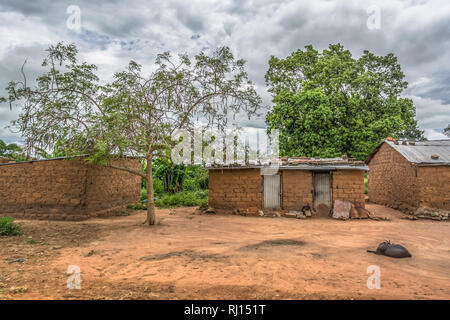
x=386, y=248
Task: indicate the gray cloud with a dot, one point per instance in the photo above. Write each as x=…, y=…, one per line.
x=114, y=32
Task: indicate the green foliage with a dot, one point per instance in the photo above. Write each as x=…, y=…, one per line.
x=190, y=185
x=9, y=227
x=158, y=186
x=138, y=206
x=172, y=178
x=58, y=151
x=366, y=184
x=330, y=104
x=12, y=151
x=182, y=199
x=171, y=175
x=30, y=240
x=143, y=194
x=197, y=176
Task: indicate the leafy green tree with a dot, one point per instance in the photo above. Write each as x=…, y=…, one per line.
x=135, y=114
x=330, y=104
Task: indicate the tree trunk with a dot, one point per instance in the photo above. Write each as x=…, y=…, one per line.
x=151, y=219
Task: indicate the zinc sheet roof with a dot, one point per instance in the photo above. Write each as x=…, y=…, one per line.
x=421, y=152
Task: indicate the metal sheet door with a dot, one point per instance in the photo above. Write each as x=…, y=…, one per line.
x=322, y=189
x=272, y=191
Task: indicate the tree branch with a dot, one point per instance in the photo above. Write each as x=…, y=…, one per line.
x=133, y=171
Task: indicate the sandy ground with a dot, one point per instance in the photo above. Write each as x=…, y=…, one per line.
x=192, y=256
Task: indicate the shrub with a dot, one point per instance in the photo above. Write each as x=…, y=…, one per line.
x=185, y=198
x=122, y=213
x=180, y=199
x=143, y=194
x=138, y=206
x=158, y=186
x=190, y=185
x=366, y=185
x=30, y=240
x=9, y=227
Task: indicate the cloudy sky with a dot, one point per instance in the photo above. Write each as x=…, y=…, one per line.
x=113, y=32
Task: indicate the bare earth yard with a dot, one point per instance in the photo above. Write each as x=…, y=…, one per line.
x=189, y=256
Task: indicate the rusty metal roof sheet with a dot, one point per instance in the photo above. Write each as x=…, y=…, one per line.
x=424, y=153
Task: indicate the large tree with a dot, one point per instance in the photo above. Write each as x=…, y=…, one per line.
x=447, y=131
x=331, y=104
x=135, y=114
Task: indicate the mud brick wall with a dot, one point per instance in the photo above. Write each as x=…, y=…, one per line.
x=232, y=189
x=297, y=189
x=63, y=189
x=434, y=186
x=106, y=187
x=42, y=189
x=392, y=180
x=348, y=185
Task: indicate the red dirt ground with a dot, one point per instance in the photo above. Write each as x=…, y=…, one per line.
x=192, y=256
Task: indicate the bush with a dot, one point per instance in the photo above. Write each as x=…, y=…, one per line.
x=366, y=185
x=158, y=186
x=9, y=227
x=191, y=185
x=138, y=206
x=143, y=194
x=183, y=199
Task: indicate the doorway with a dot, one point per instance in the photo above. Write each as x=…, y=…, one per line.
x=322, y=189
x=272, y=191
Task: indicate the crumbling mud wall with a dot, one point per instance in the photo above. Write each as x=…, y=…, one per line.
x=348, y=185
x=64, y=189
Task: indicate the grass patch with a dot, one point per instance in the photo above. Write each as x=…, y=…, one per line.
x=138, y=206
x=197, y=198
x=122, y=213
x=9, y=228
x=183, y=199
x=30, y=240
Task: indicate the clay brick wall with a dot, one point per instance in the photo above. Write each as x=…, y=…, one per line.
x=392, y=180
x=240, y=188
x=243, y=188
x=106, y=187
x=348, y=185
x=434, y=186
x=58, y=189
x=297, y=189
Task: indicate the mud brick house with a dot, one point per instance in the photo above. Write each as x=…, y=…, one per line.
x=298, y=182
x=61, y=189
x=406, y=175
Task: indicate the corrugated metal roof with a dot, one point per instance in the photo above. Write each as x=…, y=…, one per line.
x=421, y=152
